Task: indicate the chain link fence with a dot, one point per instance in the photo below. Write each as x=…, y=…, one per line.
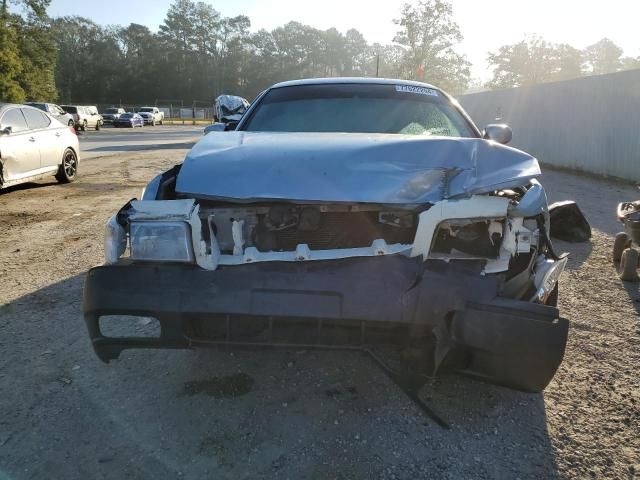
x=176, y=112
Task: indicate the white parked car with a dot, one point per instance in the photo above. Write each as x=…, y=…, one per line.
x=151, y=115
x=84, y=117
x=33, y=145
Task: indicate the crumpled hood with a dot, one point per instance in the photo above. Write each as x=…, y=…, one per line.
x=346, y=167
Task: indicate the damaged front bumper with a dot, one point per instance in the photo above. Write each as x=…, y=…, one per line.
x=374, y=300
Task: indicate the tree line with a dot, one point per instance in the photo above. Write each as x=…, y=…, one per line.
x=534, y=60
x=197, y=54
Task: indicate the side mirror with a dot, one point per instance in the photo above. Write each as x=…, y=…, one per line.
x=498, y=132
x=231, y=126
x=6, y=131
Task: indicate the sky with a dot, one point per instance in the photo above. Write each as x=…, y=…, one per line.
x=485, y=24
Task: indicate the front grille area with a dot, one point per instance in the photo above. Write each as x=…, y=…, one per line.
x=343, y=230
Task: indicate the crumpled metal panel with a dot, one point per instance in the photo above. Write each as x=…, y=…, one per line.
x=230, y=106
x=346, y=167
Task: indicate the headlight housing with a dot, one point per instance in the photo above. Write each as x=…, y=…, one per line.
x=161, y=241
x=547, y=275
x=115, y=240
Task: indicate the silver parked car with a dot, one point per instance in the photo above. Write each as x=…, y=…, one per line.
x=350, y=213
x=33, y=145
x=55, y=111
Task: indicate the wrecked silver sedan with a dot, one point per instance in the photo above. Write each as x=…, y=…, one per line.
x=344, y=213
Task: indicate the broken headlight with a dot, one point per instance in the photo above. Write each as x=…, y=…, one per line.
x=547, y=275
x=161, y=241
x=472, y=237
x=115, y=240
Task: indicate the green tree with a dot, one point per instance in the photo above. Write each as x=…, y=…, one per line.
x=630, y=63
x=569, y=62
x=603, y=57
x=141, y=74
x=38, y=55
x=428, y=35
x=534, y=60
x=27, y=55
x=10, y=63
x=90, y=61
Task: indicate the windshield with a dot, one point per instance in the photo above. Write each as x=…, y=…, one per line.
x=146, y=109
x=69, y=109
x=111, y=110
x=359, y=108
x=126, y=115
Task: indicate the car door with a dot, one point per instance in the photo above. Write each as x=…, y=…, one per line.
x=56, y=112
x=18, y=150
x=92, y=116
x=47, y=136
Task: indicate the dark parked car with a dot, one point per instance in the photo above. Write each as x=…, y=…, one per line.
x=55, y=111
x=344, y=213
x=129, y=119
x=110, y=114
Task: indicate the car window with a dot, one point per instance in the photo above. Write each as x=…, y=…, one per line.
x=40, y=106
x=35, y=118
x=354, y=108
x=70, y=109
x=58, y=110
x=14, y=119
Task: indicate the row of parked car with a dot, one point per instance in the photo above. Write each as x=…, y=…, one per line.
x=38, y=139
x=84, y=117
x=118, y=117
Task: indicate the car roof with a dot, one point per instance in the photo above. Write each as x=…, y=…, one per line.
x=361, y=80
x=5, y=106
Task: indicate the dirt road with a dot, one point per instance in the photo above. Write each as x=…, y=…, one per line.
x=210, y=414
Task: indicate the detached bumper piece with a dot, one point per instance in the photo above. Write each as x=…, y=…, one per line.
x=357, y=303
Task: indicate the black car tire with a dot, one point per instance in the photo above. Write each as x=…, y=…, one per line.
x=98, y=125
x=71, y=124
x=83, y=127
x=68, y=169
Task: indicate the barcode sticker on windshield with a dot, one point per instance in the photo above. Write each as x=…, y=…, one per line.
x=419, y=90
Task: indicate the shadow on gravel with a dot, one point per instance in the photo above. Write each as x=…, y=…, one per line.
x=28, y=186
x=138, y=148
x=578, y=252
x=254, y=414
x=633, y=290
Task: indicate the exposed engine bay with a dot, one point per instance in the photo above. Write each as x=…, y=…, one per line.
x=282, y=227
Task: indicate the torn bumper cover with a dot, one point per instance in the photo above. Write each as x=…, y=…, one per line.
x=510, y=342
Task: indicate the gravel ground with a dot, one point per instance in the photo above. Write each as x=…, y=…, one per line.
x=265, y=414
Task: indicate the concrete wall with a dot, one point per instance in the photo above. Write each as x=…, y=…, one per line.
x=590, y=124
